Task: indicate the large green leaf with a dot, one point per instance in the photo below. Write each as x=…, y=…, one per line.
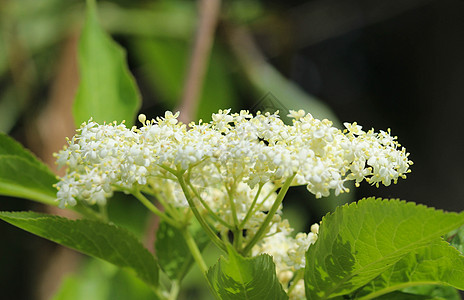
x=360, y=241
x=94, y=238
x=23, y=175
x=438, y=263
x=245, y=278
x=107, y=91
x=173, y=254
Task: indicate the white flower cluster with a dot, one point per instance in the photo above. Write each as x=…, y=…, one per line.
x=232, y=167
x=241, y=147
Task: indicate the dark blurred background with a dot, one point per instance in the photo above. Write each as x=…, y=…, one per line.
x=395, y=64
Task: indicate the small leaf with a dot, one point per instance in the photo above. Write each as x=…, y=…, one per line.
x=245, y=278
x=94, y=238
x=438, y=264
x=107, y=91
x=23, y=175
x=172, y=251
x=360, y=241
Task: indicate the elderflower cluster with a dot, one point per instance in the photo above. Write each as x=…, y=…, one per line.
x=240, y=147
x=231, y=168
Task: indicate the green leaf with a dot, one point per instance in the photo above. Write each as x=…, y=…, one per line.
x=246, y=278
x=94, y=238
x=360, y=241
x=166, y=62
x=9, y=146
x=173, y=254
x=438, y=264
x=107, y=91
x=23, y=175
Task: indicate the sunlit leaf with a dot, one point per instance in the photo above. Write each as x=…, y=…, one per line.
x=437, y=264
x=107, y=91
x=358, y=242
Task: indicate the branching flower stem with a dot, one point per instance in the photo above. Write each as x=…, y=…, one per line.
x=212, y=235
x=210, y=211
x=252, y=206
x=172, y=211
x=154, y=209
x=264, y=226
x=230, y=193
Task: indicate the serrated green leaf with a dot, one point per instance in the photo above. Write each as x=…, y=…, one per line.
x=173, y=254
x=438, y=264
x=107, y=91
x=360, y=241
x=108, y=242
x=245, y=278
x=23, y=175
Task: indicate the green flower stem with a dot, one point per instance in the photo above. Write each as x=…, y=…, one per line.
x=172, y=211
x=175, y=288
x=154, y=209
x=252, y=206
x=197, y=256
x=214, y=238
x=208, y=208
x=104, y=211
x=231, y=193
x=194, y=250
x=262, y=229
x=258, y=207
x=299, y=275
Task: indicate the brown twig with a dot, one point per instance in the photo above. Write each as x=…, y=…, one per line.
x=208, y=16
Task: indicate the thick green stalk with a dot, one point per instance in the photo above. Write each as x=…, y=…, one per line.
x=195, y=251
